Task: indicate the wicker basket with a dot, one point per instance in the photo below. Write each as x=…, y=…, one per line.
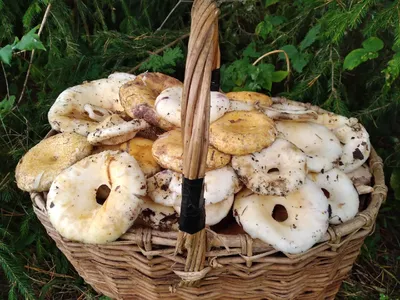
x=143, y=263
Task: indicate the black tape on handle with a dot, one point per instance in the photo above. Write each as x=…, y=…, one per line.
x=215, y=80
x=193, y=215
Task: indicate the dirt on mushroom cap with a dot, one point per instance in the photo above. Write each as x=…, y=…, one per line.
x=242, y=132
x=305, y=223
x=168, y=152
x=138, y=97
x=72, y=205
x=41, y=164
x=115, y=130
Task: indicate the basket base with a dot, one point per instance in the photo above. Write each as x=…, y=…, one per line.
x=132, y=275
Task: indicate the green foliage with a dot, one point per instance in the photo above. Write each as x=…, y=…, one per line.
x=299, y=60
x=6, y=105
x=310, y=37
x=358, y=56
x=29, y=41
x=6, y=54
x=266, y=26
x=241, y=75
x=165, y=63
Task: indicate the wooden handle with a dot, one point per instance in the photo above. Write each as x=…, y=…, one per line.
x=202, y=59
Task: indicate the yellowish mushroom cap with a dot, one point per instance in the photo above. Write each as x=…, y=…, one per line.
x=248, y=100
x=242, y=132
x=168, y=152
x=40, y=165
x=157, y=82
x=140, y=149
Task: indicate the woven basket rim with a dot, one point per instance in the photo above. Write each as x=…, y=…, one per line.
x=334, y=235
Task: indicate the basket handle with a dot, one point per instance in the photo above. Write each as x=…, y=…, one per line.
x=202, y=58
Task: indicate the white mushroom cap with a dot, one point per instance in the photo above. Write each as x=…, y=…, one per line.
x=360, y=176
x=157, y=216
x=342, y=196
x=168, y=105
x=219, y=105
x=219, y=184
x=122, y=76
x=71, y=201
x=320, y=145
x=356, y=146
x=215, y=212
x=96, y=113
x=305, y=224
x=68, y=113
x=276, y=170
x=158, y=188
x=115, y=130
x=288, y=111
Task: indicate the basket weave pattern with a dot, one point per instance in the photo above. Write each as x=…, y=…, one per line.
x=143, y=263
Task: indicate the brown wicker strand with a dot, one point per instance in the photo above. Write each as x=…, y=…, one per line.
x=195, y=122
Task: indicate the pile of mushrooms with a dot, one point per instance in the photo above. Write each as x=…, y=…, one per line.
x=284, y=170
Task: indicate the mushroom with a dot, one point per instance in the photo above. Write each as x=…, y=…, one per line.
x=79, y=108
x=291, y=224
x=287, y=112
x=247, y=101
x=37, y=169
x=356, y=146
x=242, y=132
x=115, y=130
x=276, y=170
x=138, y=97
x=166, y=186
x=219, y=184
x=361, y=179
x=168, y=105
x=140, y=149
x=78, y=215
x=96, y=113
x=157, y=216
x=101, y=148
x=214, y=212
x=360, y=176
x=320, y=145
x=158, y=188
x=341, y=194
x=168, y=152
x=352, y=135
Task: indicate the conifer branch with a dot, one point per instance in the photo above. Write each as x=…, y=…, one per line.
x=46, y=14
x=158, y=51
